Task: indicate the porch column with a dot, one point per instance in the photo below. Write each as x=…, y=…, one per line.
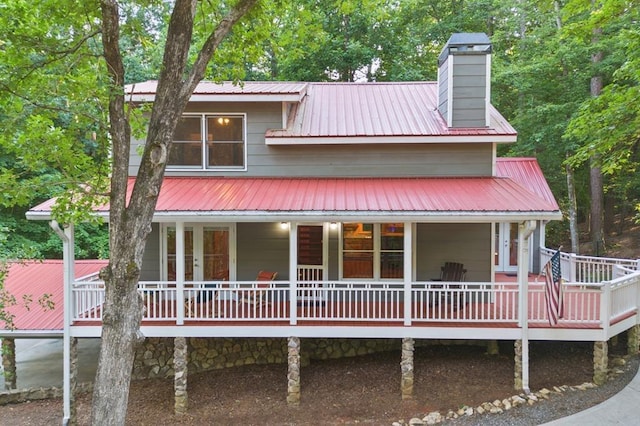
x=517, y=371
x=600, y=362
x=409, y=249
x=406, y=368
x=180, y=357
x=525, y=229
x=9, y=362
x=73, y=380
x=180, y=272
x=633, y=340
x=293, y=372
x=293, y=273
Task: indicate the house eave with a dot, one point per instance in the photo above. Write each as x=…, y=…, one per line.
x=285, y=97
x=336, y=216
x=35, y=334
x=358, y=140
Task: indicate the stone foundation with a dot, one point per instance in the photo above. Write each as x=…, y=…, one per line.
x=180, y=378
x=633, y=340
x=517, y=370
x=600, y=362
x=406, y=368
x=8, y=350
x=293, y=371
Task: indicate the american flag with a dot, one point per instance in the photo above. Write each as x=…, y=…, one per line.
x=553, y=289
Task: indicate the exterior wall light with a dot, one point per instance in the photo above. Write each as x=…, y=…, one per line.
x=333, y=225
x=284, y=225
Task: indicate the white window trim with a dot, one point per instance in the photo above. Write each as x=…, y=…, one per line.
x=203, y=135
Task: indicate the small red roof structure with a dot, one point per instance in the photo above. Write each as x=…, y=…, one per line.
x=34, y=279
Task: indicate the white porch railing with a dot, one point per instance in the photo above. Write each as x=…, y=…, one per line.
x=590, y=269
x=590, y=305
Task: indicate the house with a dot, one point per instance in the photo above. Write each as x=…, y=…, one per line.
x=355, y=199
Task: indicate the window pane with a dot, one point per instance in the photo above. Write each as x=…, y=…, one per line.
x=357, y=236
x=357, y=265
x=225, y=154
x=188, y=129
x=391, y=265
x=392, y=236
x=223, y=128
x=225, y=141
x=185, y=154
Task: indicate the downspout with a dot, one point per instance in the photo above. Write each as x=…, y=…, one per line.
x=525, y=229
x=67, y=237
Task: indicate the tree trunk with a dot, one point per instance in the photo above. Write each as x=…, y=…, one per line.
x=595, y=173
x=130, y=224
x=573, y=211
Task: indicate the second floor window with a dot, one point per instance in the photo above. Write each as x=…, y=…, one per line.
x=209, y=141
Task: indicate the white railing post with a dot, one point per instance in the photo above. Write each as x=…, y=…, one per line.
x=573, y=268
x=605, y=307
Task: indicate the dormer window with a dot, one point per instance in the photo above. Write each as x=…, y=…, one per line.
x=209, y=141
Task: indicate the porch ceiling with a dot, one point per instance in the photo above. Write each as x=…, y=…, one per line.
x=481, y=199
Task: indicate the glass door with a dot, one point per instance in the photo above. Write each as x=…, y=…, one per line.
x=206, y=252
x=506, y=247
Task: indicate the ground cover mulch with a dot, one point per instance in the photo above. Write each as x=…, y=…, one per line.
x=360, y=390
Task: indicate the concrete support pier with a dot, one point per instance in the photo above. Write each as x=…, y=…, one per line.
x=406, y=368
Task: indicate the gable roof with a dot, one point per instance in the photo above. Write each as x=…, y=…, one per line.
x=347, y=113
x=33, y=279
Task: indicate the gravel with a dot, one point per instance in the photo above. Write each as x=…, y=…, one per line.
x=559, y=404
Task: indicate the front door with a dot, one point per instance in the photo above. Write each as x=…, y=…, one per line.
x=207, y=252
x=312, y=259
x=506, y=247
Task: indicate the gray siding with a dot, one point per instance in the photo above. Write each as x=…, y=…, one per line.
x=151, y=259
x=338, y=160
x=467, y=243
x=469, y=92
x=262, y=246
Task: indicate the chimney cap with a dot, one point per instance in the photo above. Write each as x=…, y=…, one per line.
x=465, y=44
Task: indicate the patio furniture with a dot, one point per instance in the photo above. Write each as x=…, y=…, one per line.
x=452, y=271
x=257, y=296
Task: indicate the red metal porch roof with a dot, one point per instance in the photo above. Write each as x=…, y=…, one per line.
x=35, y=278
x=225, y=195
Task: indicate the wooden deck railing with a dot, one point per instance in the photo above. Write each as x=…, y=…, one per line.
x=589, y=269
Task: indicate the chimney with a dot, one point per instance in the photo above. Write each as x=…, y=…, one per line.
x=464, y=74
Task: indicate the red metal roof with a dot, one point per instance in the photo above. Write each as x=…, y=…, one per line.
x=377, y=109
x=34, y=279
x=527, y=172
x=335, y=195
x=424, y=196
x=146, y=90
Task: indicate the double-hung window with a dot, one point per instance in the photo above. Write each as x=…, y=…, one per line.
x=209, y=141
x=373, y=250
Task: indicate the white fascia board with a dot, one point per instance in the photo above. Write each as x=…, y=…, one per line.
x=293, y=97
x=333, y=216
x=363, y=140
x=35, y=334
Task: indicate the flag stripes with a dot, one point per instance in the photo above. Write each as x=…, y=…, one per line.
x=553, y=289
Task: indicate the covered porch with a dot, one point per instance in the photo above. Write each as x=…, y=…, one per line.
x=601, y=305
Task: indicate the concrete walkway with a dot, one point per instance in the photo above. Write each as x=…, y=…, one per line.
x=621, y=409
x=39, y=362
